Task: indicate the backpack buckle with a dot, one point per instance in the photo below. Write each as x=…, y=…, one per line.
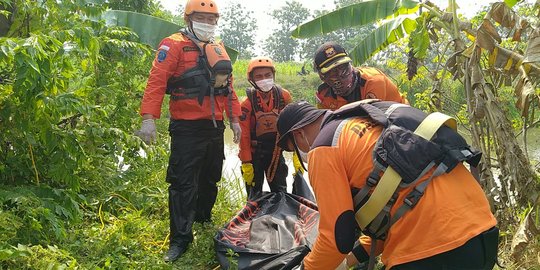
x=373, y=179
x=413, y=197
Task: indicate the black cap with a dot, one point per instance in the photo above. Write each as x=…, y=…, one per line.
x=330, y=55
x=295, y=116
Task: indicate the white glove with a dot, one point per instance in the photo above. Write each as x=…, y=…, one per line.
x=148, y=131
x=343, y=265
x=237, y=131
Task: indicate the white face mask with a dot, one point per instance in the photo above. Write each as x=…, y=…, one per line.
x=265, y=85
x=203, y=31
x=303, y=155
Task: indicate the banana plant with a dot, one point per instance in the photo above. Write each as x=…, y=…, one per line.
x=151, y=30
x=479, y=60
x=400, y=22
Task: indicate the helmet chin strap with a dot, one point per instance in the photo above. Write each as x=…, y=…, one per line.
x=254, y=84
x=190, y=28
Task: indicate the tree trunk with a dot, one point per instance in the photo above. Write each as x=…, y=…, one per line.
x=6, y=22
x=517, y=182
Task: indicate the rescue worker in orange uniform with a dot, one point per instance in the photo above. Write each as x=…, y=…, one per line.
x=195, y=71
x=450, y=227
x=342, y=83
x=260, y=110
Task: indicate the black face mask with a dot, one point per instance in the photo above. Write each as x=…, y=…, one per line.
x=340, y=79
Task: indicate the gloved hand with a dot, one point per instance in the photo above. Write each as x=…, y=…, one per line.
x=248, y=173
x=343, y=265
x=148, y=131
x=237, y=131
x=297, y=164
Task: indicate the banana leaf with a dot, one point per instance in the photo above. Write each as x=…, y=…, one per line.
x=359, y=14
x=381, y=37
x=151, y=30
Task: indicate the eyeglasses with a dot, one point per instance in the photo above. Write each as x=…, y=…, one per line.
x=338, y=72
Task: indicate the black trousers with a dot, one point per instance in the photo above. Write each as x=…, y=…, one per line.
x=479, y=253
x=262, y=157
x=195, y=165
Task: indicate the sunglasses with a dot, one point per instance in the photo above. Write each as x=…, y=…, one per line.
x=338, y=72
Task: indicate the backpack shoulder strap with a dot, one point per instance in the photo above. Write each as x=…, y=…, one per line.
x=252, y=96
x=390, y=180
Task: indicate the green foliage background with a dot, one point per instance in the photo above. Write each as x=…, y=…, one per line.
x=77, y=189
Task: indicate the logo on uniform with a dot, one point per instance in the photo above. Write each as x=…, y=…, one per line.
x=330, y=51
x=161, y=56
x=162, y=53
x=218, y=50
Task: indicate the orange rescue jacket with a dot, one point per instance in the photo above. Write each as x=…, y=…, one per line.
x=374, y=84
x=176, y=54
x=258, y=121
x=453, y=209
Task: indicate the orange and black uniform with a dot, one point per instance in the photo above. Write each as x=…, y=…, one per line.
x=258, y=140
x=372, y=84
x=452, y=214
x=197, y=149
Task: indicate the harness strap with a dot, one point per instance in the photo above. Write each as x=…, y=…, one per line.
x=372, y=251
x=372, y=181
x=432, y=123
x=189, y=93
x=213, y=106
x=390, y=181
x=414, y=196
x=381, y=195
x=229, y=106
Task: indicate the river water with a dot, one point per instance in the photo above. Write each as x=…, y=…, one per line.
x=232, y=164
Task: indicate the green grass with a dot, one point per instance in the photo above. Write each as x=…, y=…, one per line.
x=125, y=229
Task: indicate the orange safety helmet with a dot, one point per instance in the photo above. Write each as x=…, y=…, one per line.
x=259, y=62
x=204, y=6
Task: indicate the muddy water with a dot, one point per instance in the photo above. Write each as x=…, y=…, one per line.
x=232, y=164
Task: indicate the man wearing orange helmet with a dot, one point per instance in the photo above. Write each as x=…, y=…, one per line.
x=196, y=72
x=258, y=121
x=342, y=83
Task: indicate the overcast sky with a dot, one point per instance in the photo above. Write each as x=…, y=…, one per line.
x=262, y=8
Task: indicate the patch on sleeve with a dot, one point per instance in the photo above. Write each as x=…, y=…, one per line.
x=371, y=95
x=162, y=53
x=164, y=47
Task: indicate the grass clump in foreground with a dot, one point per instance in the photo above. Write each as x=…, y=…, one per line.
x=128, y=230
